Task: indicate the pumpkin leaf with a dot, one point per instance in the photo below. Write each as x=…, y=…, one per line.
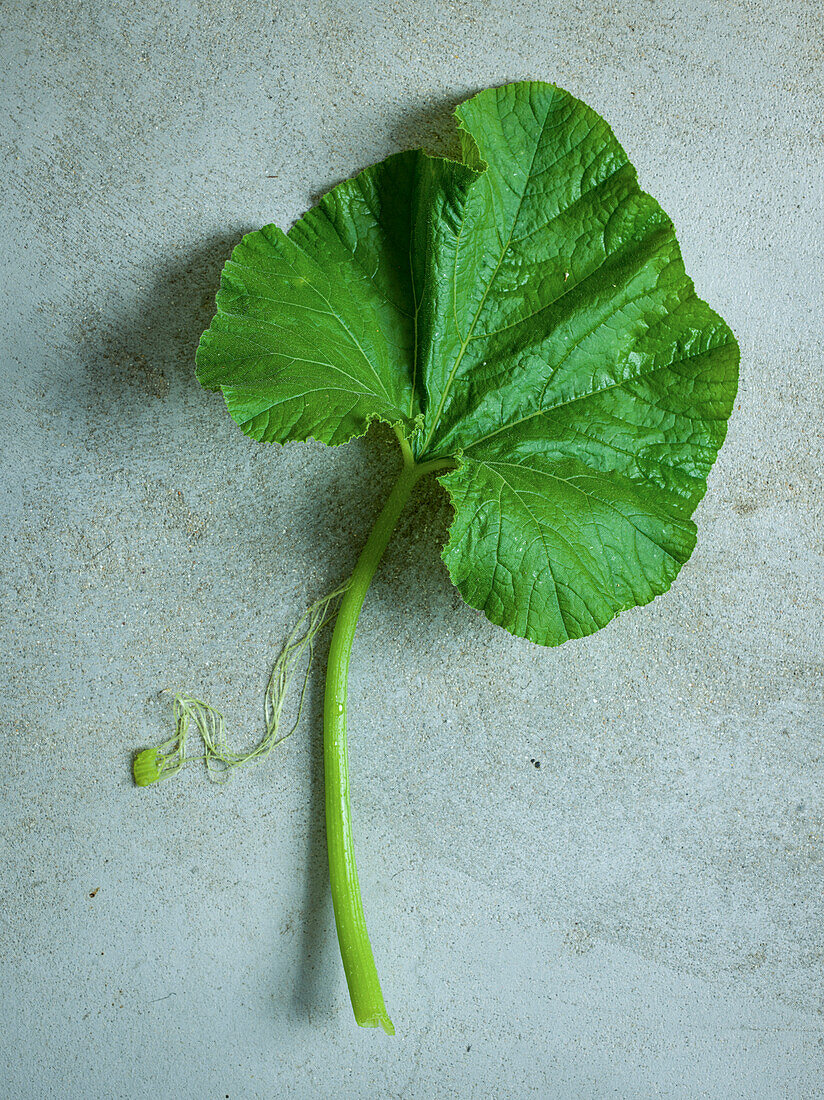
x=526, y=314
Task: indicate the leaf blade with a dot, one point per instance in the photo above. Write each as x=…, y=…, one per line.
x=525, y=313
x=586, y=423
x=323, y=309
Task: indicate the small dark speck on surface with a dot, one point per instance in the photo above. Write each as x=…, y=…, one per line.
x=93, y=893
x=536, y=763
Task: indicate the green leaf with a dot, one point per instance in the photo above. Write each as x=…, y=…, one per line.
x=315, y=330
x=525, y=312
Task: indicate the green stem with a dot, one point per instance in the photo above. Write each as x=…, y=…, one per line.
x=355, y=949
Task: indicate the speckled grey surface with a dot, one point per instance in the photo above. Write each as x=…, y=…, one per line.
x=640, y=917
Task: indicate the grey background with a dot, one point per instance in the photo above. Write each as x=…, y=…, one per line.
x=641, y=917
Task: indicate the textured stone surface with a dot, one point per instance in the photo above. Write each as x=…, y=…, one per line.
x=642, y=915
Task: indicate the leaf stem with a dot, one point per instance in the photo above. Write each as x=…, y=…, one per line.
x=406, y=450
x=355, y=948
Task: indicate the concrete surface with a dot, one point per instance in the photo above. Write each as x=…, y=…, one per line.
x=640, y=917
